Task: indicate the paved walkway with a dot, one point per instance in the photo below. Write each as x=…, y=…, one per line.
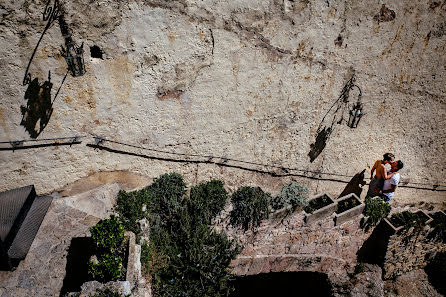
x=43, y=270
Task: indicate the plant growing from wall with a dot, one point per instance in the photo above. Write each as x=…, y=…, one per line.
x=108, y=237
x=185, y=256
x=108, y=234
x=207, y=200
x=250, y=207
x=108, y=268
x=132, y=207
x=376, y=209
x=292, y=194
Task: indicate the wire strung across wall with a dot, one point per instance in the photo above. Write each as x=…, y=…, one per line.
x=211, y=159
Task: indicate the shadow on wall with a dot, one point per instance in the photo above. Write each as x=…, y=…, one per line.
x=37, y=112
x=354, y=185
x=39, y=107
x=321, y=141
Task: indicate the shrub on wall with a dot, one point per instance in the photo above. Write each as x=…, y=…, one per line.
x=131, y=208
x=292, y=194
x=207, y=200
x=166, y=197
x=185, y=256
x=108, y=234
x=376, y=209
x=250, y=207
x=108, y=268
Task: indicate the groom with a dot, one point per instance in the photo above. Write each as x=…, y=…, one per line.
x=391, y=184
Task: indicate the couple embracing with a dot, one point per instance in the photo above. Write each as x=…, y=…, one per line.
x=385, y=183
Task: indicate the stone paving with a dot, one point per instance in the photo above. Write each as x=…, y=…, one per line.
x=43, y=270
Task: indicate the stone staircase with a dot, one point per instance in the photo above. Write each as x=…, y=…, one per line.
x=21, y=213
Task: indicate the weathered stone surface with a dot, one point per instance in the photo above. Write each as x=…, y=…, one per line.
x=43, y=270
x=368, y=282
x=248, y=80
x=287, y=247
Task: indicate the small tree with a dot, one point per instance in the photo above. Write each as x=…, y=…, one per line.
x=250, y=207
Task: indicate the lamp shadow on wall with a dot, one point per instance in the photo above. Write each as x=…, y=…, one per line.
x=39, y=106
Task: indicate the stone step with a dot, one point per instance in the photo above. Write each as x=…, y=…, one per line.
x=14, y=206
x=28, y=230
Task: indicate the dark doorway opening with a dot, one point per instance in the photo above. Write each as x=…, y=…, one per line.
x=283, y=284
x=79, y=253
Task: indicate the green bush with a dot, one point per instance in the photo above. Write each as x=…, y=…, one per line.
x=250, y=207
x=207, y=200
x=292, y=194
x=166, y=197
x=108, y=235
x=131, y=208
x=184, y=256
x=108, y=268
x=376, y=209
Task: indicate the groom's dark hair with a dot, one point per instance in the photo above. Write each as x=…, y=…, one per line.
x=388, y=157
x=399, y=164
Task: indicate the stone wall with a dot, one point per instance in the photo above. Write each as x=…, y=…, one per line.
x=257, y=81
x=410, y=250
x=285, y=244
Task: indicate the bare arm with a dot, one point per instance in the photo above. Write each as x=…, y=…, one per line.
x=385, y=175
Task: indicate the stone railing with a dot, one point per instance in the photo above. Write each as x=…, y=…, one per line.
x=295, y=243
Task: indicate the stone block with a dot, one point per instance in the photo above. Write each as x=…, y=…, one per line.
x=321, y=213
x=351, y=213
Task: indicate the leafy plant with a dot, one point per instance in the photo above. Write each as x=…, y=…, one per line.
x=207, y=200
x=108, y=268
x=292, y=194
x=185, y=256
x=108, y=234
x=317, y=203
x=166, y=197
x=250, y=207
x=408, y=220
x=376, y=209
x=346, y=204
x=131, y=208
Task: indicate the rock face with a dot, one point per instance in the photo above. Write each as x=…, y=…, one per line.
x=265, y=82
